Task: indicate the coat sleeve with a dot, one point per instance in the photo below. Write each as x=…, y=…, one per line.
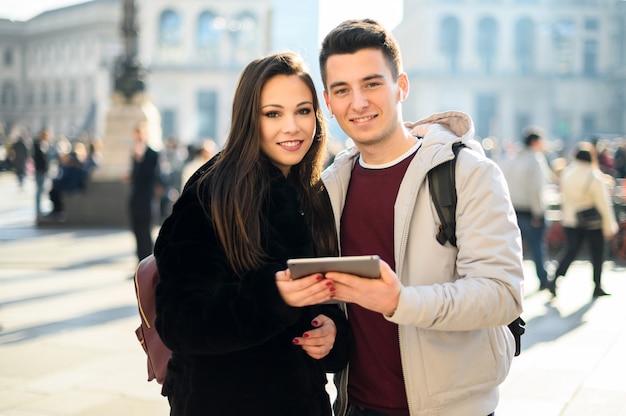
x=480, y=284
x=202, y=307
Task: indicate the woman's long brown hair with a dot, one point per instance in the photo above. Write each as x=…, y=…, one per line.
x=235, y=185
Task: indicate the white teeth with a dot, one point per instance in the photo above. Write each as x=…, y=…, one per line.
x=362, y=119
x=290, y=144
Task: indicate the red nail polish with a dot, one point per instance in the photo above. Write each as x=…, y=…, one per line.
x=332, y=289
x=315, y=323
x=305, y=335
x=319, y=277
x=295, y=341
x=329, y=283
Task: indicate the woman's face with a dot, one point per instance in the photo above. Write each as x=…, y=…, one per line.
x=287, y=120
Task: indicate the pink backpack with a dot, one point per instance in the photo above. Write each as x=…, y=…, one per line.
x=146, y=279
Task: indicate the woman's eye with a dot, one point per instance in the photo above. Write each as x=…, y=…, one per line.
x=305, y=111
x=271, y=114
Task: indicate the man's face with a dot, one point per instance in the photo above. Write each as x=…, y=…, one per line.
x=361, y=93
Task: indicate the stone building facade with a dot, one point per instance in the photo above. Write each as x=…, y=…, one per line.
x=560, y=64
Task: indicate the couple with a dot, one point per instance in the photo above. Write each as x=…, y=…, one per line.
x=428, y=337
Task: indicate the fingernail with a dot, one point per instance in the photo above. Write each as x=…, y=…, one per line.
x=315, y=323
x=296, y=341
x=305, y=335
x=332, y=289
x=319, y=277
x=329, y=283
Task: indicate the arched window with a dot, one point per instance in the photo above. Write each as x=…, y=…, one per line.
x=209, y=30
x=486, y=45
x=170, y=28
x=449, y=42
x=244, y=31
x=525, y=46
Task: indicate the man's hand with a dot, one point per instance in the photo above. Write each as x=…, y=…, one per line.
x=319, y=341
x=378, y=295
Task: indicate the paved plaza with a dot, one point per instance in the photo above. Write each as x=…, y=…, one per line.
x=68, y=315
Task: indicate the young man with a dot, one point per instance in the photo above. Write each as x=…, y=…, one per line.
x=527, y=174
x=429, y=336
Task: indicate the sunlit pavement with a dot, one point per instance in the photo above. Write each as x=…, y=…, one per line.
x=68, y=315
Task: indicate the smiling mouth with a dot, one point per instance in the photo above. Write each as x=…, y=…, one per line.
x=363, y=119
x=292, y=143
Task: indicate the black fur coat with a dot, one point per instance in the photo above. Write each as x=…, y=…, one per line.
x=232, y=337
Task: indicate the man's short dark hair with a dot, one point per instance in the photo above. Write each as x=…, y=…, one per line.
x=353, y=35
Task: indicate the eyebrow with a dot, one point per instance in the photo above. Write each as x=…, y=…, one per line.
x=367, y=78
x=300, y=104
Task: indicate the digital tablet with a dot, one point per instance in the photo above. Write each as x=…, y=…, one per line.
x=364, y=266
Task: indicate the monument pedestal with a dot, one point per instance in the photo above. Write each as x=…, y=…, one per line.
x=105, y=201
x=103, y=204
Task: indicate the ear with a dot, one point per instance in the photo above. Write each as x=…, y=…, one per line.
x=403, y=86
x=327, y=101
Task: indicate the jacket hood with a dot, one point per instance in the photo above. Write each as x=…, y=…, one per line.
x=439, y=131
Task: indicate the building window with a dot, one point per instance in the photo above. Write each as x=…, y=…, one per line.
x=245, y=37
x=8, y=98
x=486, y=43
x=71, y=96
x=209, y=29
x=525, y=46
x=168, y=122
x=486, y=105
x=170, y=29
x=207, y=114
x=589, y=125
x=563, y=37
x=590, y=58
x=30, y=96
x=8, y=57
x=44, y=94
x=449, y=42
x=58, y=93
x=522, y=120
x=592, y=25
x=209, y=35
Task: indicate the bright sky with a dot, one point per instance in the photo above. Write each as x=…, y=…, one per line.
x=389, y=12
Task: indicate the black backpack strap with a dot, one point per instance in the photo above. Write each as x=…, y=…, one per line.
x=442, y=185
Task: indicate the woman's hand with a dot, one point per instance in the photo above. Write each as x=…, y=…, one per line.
x=319, y=341
x=309, y=290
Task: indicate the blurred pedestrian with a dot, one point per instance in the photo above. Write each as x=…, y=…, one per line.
x=19, y=157
x=202, y=154
x=144, y=181
x=71, y=177
x=527, y=174
x=41, y=159
x=583, y=186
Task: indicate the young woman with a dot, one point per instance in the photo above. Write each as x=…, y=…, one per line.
x=246, y=339
x=583, y=186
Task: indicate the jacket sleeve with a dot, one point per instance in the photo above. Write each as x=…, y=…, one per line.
x=480, y=284
x=202, y=307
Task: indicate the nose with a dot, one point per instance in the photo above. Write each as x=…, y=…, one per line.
x=359, y=101
x=290, y=125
